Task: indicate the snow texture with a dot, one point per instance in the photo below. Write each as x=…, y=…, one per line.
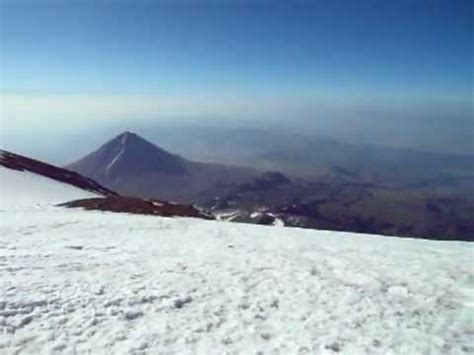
x=91, y=282
x=79, y=282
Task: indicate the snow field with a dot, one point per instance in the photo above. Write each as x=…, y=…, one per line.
x=89, y=282
x=25, y=189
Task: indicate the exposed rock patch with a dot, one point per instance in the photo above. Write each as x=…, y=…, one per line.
x=138, y=206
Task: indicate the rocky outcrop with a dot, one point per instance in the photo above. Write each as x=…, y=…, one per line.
x=138, y=206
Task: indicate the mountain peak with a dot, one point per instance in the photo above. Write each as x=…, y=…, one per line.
x=128, y=154
x=127, y=137
x=126, y=134
x=133, y=141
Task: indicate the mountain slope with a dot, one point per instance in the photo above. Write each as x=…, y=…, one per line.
x=85, y=282
x=133, y=166
x=27, y=181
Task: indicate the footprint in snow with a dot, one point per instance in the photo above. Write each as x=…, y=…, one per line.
x=75, y=247
x=180, y=302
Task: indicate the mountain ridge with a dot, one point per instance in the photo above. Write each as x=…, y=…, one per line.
x=22, y=163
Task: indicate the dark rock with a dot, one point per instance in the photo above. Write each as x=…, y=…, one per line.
x=136, y=205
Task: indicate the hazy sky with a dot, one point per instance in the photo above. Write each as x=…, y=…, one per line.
x=94, y=61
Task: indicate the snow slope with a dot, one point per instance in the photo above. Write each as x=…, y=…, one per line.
x=23, y=188
x=91, y=282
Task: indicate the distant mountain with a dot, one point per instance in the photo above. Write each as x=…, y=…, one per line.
x=129, y=155
x=361, y=189
x=43, y=170
x=133, y=166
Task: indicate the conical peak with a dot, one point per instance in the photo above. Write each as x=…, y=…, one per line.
x=126, y=136
x=133, y=142
x=131, y=150
x=129, y=155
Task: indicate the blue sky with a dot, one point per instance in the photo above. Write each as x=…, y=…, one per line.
x=259, y=58
x=229, y=46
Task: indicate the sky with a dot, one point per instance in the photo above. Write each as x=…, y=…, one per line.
x=293, y=62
